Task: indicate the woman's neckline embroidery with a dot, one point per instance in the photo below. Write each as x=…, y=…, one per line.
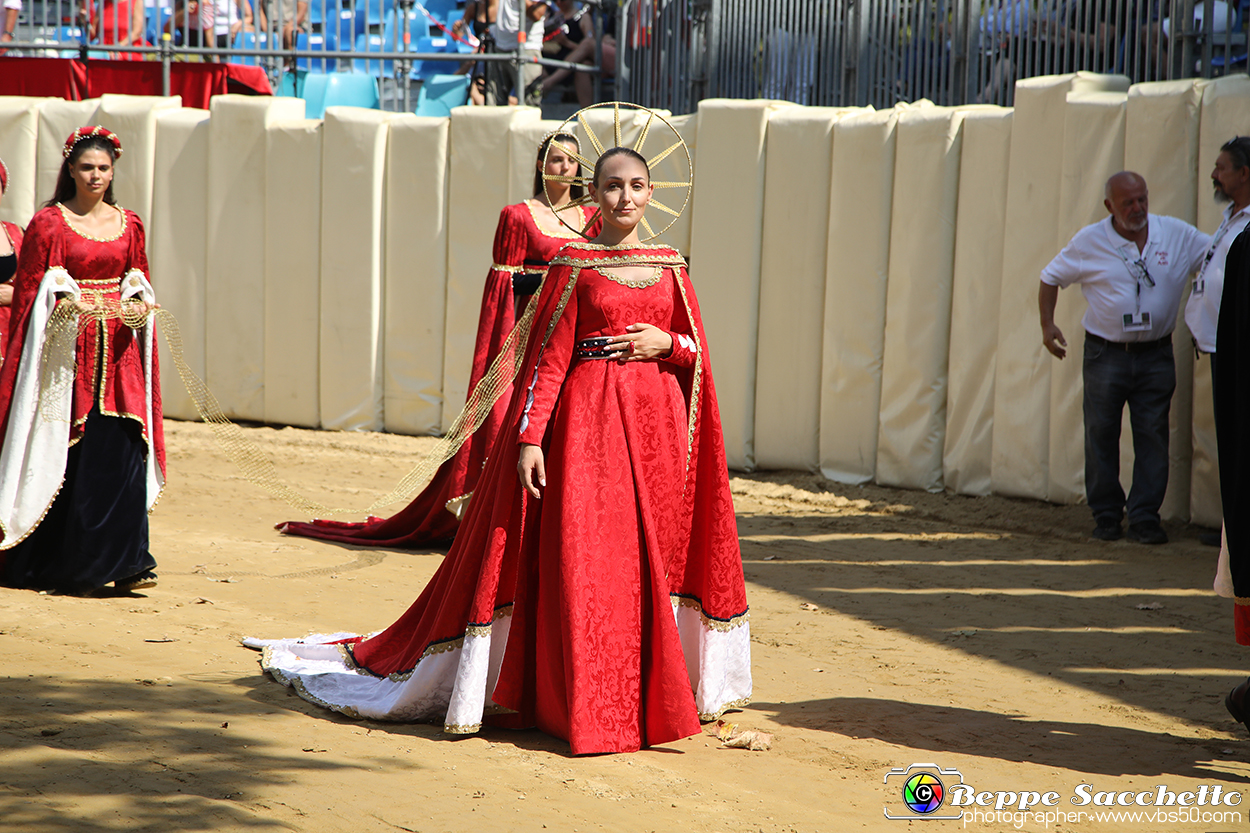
x=65, y=216
x=636, y=283
x=562, y=232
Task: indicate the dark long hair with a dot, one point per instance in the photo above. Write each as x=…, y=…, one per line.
x=65, y=187
x=618, y=151
x=575, y=191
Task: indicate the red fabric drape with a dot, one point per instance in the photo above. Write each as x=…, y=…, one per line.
x=76, y=80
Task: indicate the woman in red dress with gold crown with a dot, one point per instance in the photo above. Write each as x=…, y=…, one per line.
x=82, y=458
x=10, y=244
x=595, y=588
x=527, y=237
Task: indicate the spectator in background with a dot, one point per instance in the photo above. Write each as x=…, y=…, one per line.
x=477, y=18
x=1132, y=268
x=216, y=22
x=116, y=22
x=1156, y=36
x=574, y=42
x=510, y=38
x=291, y=15
x=8, y=26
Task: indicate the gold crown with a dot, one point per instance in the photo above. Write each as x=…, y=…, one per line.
x=578, y=120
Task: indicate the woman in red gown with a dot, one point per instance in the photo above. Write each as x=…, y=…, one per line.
x=82, y=455
x=528, y=235
x=598, y=596
x=10, y=244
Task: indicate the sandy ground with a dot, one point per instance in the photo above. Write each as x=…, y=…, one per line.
x=986, y=635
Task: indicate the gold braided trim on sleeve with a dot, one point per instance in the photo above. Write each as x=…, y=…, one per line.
x=720, y=625
x=1243, y=600
x=503, y=267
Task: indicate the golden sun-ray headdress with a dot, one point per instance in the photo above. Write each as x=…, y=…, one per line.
x=653, y=131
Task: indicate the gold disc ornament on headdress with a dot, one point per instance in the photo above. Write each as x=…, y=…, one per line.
x=638, y=128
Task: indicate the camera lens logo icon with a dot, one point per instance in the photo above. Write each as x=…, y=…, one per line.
x=923, y=793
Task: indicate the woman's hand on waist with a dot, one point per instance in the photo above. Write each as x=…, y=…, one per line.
x=641, y=343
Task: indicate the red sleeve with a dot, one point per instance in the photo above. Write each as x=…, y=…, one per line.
x=592, y=231
x=497, y=315
x=684, y=352
x=511, y=238
x=41, y=249
x=546, y=377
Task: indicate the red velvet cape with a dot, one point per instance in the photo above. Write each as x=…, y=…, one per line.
x=496, y=566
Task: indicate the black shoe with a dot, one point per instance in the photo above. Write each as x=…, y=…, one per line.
x=1210, y=539
x=1146, y=532
x=142, y=581
x=1235, y=702
x=1108, y=530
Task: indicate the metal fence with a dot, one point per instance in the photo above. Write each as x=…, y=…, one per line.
x=399, y=42
x=860, y=52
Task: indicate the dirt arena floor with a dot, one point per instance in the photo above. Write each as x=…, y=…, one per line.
x=988, y=636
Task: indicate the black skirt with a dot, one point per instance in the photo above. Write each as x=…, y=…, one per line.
x=96, y=530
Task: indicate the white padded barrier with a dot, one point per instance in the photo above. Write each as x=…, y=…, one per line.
x=235, y=307
x=416, y=274
x=912, y=419
x=1093, y=150
x=178, y=246
x=293, y=246
x=19, y=146
x=1225, y=114
x=133, y=119
x=976, y=283
x=1161, y=143
x=725, y=246
x=794, y=242
x=1022, y=370
x=481, y=176
x=57, y=119
x=679, y=235
x=861, y=188
x=353, y=179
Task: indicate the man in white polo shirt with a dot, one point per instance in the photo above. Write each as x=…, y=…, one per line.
x=1132, y=268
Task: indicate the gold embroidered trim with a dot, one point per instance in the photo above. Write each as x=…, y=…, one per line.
x=562, y=232
x=720, y=625
x=512, y=270
x=462, y=728
x=697, y=384
x=350, y=711
x=707, y=717
x=1243, y=600
x=668, y=251
x=13, y=543
x=65, y=212
x=458, y=504
x=639, y=283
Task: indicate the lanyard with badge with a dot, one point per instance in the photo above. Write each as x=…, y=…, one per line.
x=1137, y=321
x=1200, y=282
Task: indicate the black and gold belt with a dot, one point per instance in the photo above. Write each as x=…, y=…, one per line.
x=595, y=348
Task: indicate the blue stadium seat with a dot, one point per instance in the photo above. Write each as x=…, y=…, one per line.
x=314, y=94
x=375, y=68
x=248, y=40
x=425, y=70
x=350, y=89
x=317, y=42
x=440, y=93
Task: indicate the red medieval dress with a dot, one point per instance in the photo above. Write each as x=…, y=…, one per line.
x=8, y=268
x=82, y=456
x=523, y=248
x=611, y=613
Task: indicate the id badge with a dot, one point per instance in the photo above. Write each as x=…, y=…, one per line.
x=1136, y=322
x=1199, y=287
